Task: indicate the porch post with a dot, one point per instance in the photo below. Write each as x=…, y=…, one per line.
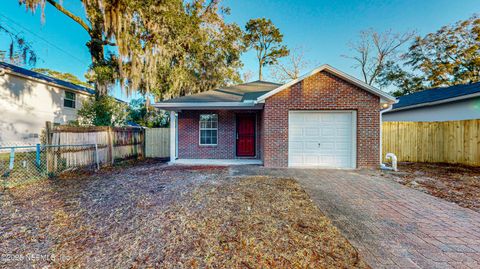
x=173, y=136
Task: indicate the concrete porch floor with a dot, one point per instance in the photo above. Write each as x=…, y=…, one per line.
x=221, y=162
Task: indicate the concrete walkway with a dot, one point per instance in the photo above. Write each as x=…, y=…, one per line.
x=391, y=225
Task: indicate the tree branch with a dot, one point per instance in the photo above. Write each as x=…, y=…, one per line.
x=70, y=14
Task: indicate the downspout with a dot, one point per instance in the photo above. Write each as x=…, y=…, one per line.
x=390, y=107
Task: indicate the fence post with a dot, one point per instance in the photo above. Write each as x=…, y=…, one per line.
x=12, y=158
x=37, y=155
x=49, y=136
x=110, y=144
x=48, y=132
x=143, y=137
x=96, y=157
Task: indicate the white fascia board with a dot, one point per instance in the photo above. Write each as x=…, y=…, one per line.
x=387, y=97
x=448, y=100
x=200, y=105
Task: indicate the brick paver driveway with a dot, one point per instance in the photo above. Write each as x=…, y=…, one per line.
x=391, y=225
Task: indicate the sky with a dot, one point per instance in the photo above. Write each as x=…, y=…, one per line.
x=322, y=28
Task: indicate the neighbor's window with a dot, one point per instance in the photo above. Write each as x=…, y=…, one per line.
x=69, y=100
x=208, y=129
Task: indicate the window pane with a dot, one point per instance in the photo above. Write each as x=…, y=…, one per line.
x=203, y=117
x=69, y=103
x=214, y=137
x=69, y=95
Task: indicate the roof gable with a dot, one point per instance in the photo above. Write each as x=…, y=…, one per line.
x=386, y=97
x=445, y=94
x=246, y=92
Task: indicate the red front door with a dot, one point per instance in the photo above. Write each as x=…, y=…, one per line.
x=246, y=135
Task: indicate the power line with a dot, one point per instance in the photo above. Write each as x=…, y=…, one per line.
x=43, y=39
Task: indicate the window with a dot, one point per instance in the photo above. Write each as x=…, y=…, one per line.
x=69, y=100
x=208, y=129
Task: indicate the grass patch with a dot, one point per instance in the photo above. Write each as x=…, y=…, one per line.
x=154, y=215
x=257, y=222
x=459, y=184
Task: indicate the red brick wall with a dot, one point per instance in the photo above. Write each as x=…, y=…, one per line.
x=188, y=135
x=322, y=91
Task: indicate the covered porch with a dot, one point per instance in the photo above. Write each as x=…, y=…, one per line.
x=224, y=125
x=216, y=136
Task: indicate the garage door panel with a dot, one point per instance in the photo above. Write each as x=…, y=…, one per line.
x=296, y=132
x=310, y=159
x=343, y=118
x=311, y=117
x=343, y=132
x=327, y=117
x=296, y=159
x=311, y=145
x=296, y=146
x=343, y=147
x=311, y=131
x=321, y=139
x=329, y=131
x=327, y=147
x=342, y=161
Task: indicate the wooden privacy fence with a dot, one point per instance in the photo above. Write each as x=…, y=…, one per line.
x=448, y=142
x=113, y=143
x=157, y=143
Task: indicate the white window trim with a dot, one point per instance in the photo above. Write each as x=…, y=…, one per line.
x=65, y=98
x=200, y=130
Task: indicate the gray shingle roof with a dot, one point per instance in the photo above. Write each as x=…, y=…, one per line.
x=46, y=78
x=436, y=94
x=237, y=93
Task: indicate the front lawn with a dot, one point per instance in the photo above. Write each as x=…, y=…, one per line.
x=153, y=215
x=455, y=183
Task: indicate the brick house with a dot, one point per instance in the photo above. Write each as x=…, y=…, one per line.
x=323, y=119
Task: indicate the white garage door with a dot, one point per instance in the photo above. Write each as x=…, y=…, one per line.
x=322, y=139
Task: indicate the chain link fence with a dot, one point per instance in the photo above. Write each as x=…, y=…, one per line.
x=23, y=164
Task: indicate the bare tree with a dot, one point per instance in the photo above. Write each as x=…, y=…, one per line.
x=291, y=67
x=247, y=76
x=373, y=50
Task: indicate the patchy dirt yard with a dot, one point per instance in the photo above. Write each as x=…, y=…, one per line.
x=454, y=183
x=153, y=215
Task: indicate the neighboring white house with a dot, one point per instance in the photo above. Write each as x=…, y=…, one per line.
x=28, y=99
x=459, y=102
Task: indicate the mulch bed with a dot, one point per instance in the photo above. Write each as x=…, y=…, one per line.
x=153, y=215
x=455, y=183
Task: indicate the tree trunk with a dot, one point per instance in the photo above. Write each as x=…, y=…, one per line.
x=260, y=77
x=96, y=47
